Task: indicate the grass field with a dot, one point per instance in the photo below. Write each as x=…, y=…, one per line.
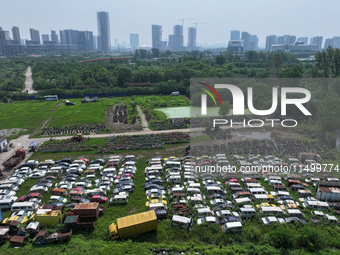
x=35, y=114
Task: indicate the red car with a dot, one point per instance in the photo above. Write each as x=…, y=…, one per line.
x=99, y=199
x=125, y=175
x=86, y=160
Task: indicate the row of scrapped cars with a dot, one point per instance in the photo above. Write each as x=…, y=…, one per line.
x=226, y=199
x=64, y=184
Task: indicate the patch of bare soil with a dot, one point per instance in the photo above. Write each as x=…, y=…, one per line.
x=133, y=210
x=11, y=131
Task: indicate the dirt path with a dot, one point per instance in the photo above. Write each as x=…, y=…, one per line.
x=143, y=119
x=29, y=81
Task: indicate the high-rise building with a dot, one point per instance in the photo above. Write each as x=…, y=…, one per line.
x=89, y=43
x=317, y=40
x=192, y=35
x=3, y=48
x=235, y=35
x=302, y=40
x=250, y=42
x=45, y=38
x=270, y=40
x=35, y=36
x=104, y=38
x=176, y=41
x=134, y=40
x=54, y=37
x=62, y=37
x=286, y=39
x=16, y=34
x=156, y=36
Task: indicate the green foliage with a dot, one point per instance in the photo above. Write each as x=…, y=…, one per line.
x=224, y=109
x=282, y=237
x=328, y=113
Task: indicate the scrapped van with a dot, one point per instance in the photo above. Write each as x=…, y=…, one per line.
x=270, y=210
x=214, y=190
x=243, y=200
x=94, y=192
x=247, y=212
x=76, y=193
x=264, y=198
x=109, y=171
x=119, y=199
x=232, y=227
x=6, y=204
x=189, y=177
x=257, y=191
x=27, y=206
x=169, y=164
x=158, y=168
x=181, y=221
x=59, y=192
x=202, y=212
x=295, y=213
x=176, y=190
x=174, y=179
x=195, y=185
x=157, y=206
x=191, y=191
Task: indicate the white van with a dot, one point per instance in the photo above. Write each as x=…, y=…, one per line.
x=28, y=206
x=174, y=179
x=6, y=204
x=247, y=212
x=270, y=210
x=170, y=164
x=203, y=212
x=181, y=221
x=109, y=172
x=119, y=199
x=157, y=206
x=257, y=191
x=232, y=227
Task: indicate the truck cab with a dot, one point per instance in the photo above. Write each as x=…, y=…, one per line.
x=113, y=231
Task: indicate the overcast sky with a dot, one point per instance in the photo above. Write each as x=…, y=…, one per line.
x=260, y=17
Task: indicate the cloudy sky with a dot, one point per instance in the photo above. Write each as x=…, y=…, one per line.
x=260, y=17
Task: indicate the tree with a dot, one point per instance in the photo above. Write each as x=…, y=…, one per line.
x=224, y=109
x=292, y=72
x=155, y=52
x=277, y=64
x=124, y=74
x=328, y=113
x=220, y=60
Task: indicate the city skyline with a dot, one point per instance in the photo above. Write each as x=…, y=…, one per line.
x=254, y=18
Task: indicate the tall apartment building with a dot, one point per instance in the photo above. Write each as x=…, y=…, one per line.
x=104, y=38
x=192, y=38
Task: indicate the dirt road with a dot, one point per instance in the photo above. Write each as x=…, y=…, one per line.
x=29, y=82
x=143, y=119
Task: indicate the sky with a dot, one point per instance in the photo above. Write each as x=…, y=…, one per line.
x=259, y=17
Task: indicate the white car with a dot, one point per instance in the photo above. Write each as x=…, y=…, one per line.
x=208, y=219
x=83, y=185
x=39, y=189
x=58, y=199
x=7, y=192
x=37, y=175
x=272, y=220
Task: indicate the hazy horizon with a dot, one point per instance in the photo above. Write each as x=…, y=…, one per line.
x=262, y=18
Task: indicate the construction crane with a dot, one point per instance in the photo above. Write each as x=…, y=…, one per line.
x=183, y=21
x=198, y=24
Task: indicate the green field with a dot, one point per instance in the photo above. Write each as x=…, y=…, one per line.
x=36, y=114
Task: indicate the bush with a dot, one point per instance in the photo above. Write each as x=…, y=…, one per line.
x=282, y=237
